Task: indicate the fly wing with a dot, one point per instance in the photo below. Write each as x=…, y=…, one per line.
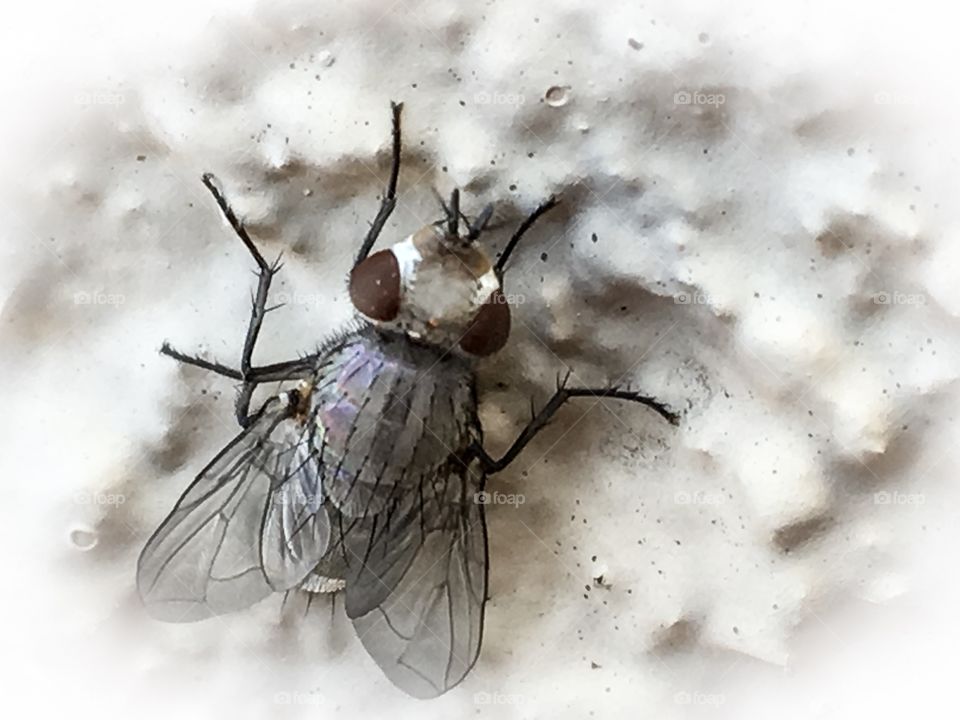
x=241, y=530
x=416, y=591
x=296, y=528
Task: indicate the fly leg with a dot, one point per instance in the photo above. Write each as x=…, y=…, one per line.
x=265, y=273
x=215, y=367
x=275, y=372
x=542, y=208
x=389, y=201
x=562, y=394
x=245, y=394
x=247, y=374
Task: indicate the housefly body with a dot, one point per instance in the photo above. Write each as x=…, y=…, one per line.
x=367, y=478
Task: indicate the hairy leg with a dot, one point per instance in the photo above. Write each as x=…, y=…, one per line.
x=508, y=249
x=247, y=374
x=561, y=396
x=390, y=195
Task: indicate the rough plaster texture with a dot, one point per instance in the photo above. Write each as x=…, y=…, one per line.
x=750, y=230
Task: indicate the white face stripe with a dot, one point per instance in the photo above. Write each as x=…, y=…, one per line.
x=448, y=300
x=486, y=284
x=408, y=258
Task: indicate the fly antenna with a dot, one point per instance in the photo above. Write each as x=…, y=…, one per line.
x=480, y=223
x=443, y=204
x=453, y=213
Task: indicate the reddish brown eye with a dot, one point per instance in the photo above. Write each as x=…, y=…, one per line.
x=375, y=286
x=490, y=328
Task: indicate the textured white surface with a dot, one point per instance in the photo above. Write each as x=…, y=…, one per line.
x=774, y=255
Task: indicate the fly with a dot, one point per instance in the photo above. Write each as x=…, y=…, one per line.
x=368, y=477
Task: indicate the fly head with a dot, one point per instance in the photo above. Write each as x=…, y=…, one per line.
x=437, y=286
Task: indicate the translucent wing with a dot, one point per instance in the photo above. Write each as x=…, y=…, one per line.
x=416, y=592
x=296, y=529
x=249, y=525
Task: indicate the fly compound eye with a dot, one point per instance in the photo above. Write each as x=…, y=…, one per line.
x=490, y=327
x=375, y=286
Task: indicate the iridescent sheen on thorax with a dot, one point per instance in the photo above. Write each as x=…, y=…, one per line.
x=389, y=414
